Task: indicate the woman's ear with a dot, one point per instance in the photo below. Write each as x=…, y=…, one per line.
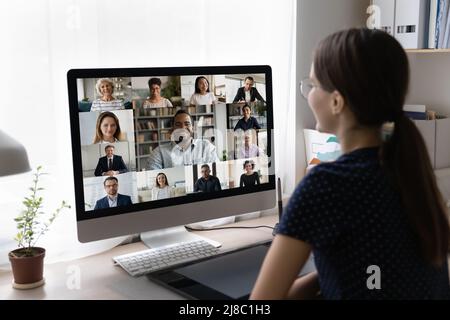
x=337, y=103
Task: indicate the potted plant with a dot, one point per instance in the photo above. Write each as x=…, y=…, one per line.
x=27, y=261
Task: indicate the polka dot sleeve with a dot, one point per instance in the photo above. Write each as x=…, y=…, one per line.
x=313, y=213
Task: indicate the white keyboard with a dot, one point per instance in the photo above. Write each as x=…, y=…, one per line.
x=151, y=260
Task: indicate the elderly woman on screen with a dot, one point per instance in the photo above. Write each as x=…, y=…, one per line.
x=155, y=100
x=106, y=102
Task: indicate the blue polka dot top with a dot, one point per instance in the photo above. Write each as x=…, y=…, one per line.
x=353, y=219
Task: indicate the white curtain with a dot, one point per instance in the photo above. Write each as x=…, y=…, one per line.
x=43, y=39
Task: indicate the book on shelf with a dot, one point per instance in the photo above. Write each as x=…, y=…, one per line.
x=192, y=110
x=166, y=123
x=145, y=149
x=420, y=112
x=439, y=24
x=416, y=115
x=415, y=111
x=146, y=125
x=165, y=135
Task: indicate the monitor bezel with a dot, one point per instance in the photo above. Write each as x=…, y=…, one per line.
x=144, y=207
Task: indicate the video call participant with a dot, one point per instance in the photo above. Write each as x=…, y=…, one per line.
x=247, y=122
x=110, y=164
x=183, y=150
x=207, y=183
x=107, y=129
x=249, y=150
x=247, y=93
x=162, y=190
x=249, y=178
x=105, y=88
x=156, y=101
x=113, y=198
x=202, y=95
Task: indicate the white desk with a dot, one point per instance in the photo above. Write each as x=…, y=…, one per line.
x=100, y=279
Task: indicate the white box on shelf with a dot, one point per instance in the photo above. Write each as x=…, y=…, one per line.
x=387, y=15
x=412, y=22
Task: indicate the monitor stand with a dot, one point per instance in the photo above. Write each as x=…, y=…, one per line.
x=163, y=237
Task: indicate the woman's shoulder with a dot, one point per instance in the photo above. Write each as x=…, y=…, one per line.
x=322, y=172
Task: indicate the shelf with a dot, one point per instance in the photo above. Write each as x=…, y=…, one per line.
x=148, y=130
x=202, y=114
x=171, y=116
x=427, y=50
x=154, y=142
x=153, y=117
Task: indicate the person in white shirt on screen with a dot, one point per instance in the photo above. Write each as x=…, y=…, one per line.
x=107, y=129
x=110, y=164
x=183, y=150
x=249, y=150
x=106, y=102
x=155, y=100
x=202, y=95
x=162, y=190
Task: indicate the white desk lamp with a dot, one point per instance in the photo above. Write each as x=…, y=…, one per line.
x=13, y=156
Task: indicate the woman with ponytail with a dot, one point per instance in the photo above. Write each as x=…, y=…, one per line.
x=374, y=219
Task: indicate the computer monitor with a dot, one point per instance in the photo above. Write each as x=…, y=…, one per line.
x=160, y=147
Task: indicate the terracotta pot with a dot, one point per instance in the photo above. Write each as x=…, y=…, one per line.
x=27, y=269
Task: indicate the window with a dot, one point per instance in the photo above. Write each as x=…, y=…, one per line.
x=49, y=38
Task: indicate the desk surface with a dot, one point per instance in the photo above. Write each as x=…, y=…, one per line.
x=101, y=279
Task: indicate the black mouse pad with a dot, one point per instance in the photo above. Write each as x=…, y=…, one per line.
x=228, y=276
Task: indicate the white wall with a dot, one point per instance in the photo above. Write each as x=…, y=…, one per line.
x=43, y=39
x=315, y=20
x=430, y=80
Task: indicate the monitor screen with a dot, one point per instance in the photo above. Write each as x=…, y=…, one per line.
x=160, y=147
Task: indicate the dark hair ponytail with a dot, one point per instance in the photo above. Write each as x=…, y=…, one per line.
x=370, y=69
x=406, y=160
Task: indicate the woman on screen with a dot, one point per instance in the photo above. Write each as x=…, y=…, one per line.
x=106, y=102
x=202, y=95
x=374, y=218
x=155, y=100
x=162, y=190
x=249, y=178
x=107, y=129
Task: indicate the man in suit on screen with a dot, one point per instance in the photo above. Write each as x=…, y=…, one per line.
x=247, y=93
x=113, y=197
x=111, y=164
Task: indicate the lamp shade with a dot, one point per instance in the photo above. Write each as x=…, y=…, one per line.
x=13, y=156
